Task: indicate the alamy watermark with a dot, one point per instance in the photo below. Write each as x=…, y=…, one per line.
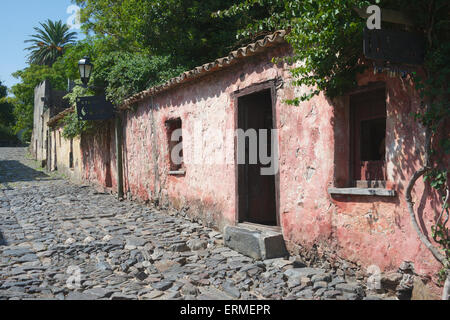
x=213, y=146
x=74, y=280
x=74, y=21
x=374, y=280
x=374, y=20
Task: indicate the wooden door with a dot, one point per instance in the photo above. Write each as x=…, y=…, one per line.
x=257, y=202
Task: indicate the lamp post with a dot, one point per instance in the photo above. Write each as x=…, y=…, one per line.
x=86, y=67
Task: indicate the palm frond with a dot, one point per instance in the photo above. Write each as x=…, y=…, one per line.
x=49, y=42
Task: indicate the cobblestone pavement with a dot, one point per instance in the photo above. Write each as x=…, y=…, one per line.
x=61, y=241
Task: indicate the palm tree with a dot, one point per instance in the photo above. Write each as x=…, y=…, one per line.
x=49, y=42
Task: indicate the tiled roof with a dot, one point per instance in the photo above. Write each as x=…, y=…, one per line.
x=53, y=122
x=234, y=56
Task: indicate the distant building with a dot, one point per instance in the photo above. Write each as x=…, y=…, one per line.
x=47, y=104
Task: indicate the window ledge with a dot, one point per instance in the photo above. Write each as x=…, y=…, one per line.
x=177, y=173
x=363, y=192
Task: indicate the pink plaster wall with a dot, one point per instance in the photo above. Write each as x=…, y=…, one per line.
x=98, y=156
x=207, y=189
x=378, y=230
x=313, y=149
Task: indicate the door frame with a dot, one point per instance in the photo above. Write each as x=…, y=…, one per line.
x=254, y=88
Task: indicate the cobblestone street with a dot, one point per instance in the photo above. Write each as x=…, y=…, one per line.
x=52, y=230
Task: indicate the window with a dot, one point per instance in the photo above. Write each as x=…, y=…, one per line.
x=175, y=143
x=368, y=130
x=366, y=173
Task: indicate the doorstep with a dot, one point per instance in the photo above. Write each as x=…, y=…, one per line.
x=257, y=243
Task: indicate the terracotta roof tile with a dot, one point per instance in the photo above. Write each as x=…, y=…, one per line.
x=53, y=122
x=249, y=50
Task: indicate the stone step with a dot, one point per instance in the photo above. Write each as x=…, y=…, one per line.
x=256, y=244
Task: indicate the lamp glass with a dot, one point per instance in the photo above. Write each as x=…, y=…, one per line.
x=87, y=70
x=85, y=67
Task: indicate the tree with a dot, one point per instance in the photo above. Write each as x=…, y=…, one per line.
x=183, y=30
x=124, y=74
x=30, y=77
x=6, y=115
x=137, y=44
x=3, y=90
x=187, y=31
x=325, y=35
x=118, y=22
x=6, y=108
x=49, y=42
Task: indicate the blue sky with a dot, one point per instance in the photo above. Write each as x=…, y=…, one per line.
x=17, y=19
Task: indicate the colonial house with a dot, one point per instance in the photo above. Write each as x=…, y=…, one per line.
x=47, y=104
x=341, y=166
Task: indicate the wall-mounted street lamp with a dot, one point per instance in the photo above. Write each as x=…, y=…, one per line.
x=85, y=67
x=92, y=107
x=95, y=107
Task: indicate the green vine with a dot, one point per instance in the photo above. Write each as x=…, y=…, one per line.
x=435, y=116
x=72, y=126
x=436, y=178
x=440, y=232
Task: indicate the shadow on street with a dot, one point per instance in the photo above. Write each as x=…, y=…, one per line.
x=15, y=171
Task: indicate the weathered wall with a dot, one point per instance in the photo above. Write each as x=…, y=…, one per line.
x=98, y=156
x=378, y=230
x=59, y=155
x=207, y=189
x=47, y=103
x=314, y=155
x=38, y=144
